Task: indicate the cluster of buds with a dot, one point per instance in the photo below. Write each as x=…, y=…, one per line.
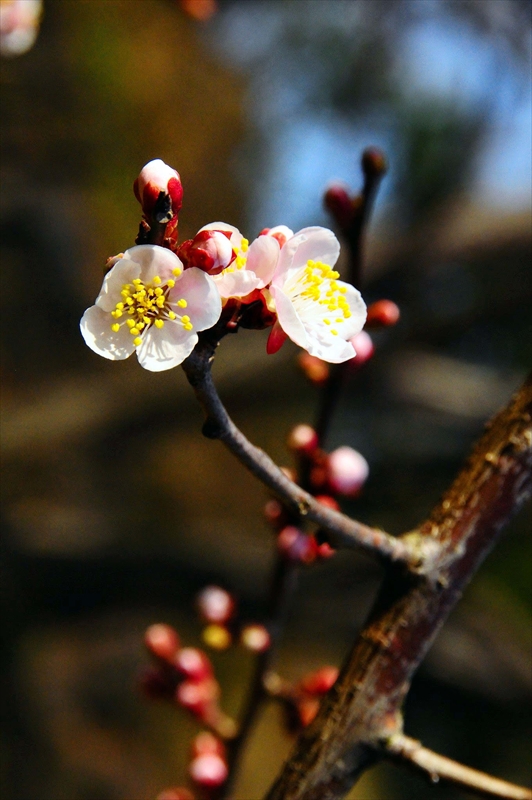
x=185, y=676
x=217, y=608
x=301, y=700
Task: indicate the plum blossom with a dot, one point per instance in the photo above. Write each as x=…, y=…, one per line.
x=149, y=304
x=249, y=267
x=19, y=25
x=316, y=310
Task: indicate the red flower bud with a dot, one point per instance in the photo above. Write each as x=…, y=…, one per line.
x=303, y=440
x=338, y=202
x=209, y=250
x=382, y=314
x=159, y=191
x=307, y=710
x=208, y=770
x=162, y=641
x=327, y=500
x=193, y=664
x=215, y=604
x=374, y=162
x=296, y=546
x=347, y=471
x=320, y=681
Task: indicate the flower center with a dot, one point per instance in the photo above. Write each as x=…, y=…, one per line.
x=315, y=289
x=147, y=304
x=239, y=262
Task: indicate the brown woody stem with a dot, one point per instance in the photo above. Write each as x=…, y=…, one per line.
x=363, y=708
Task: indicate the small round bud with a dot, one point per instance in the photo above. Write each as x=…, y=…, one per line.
x=320, y=681
x=198, y=697
x=382, y=314
x=215, y=604
x=209, y=250
x=296, y=546
x=176, y=793
x=325, y=551
x=159, y=191
x=364, y=348
x=206, y=742
x=216, y=636
x=303, y=440
x=374, y=162
x=162, y=641
x=193, y=664
x=255, y=638
x=347, y=471
x=338, y=203
x=208, y=770
x=316, y=370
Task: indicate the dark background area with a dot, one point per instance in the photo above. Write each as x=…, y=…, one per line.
x=115, y=510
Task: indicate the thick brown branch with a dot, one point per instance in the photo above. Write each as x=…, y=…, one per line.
x=411, y=753
x=342, y=531
x=364, y=707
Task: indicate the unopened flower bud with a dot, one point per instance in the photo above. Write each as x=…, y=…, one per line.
x=296, y=546
x=374, y=162
x=206, y=742
x=303, y=440
x=382, y=314
x=338, y=203
x=364, y=349
x=320, y=681
x=347, y=471
x=162, y=641
x=216, y=636
x=209, y=250
x=255, y=638
x=159, y=191
x=316, y=370
x=198, y=697
x=175, y=793
x=208, y=770
x=325, y=551
x=193, y=664
x=215, y=604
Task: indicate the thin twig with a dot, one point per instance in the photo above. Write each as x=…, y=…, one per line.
x=410, y=752
x=342, y=531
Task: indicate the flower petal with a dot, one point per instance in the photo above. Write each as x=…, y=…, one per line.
x=263, y=256
x=288, y=318
x=153, y=260
x=204, y=305
x=238, y=283
x=165, y=348
x=123, y=272
x=316, y=244
x=96, y=330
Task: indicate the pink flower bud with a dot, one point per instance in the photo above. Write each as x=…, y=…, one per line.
x=159, y=191
x=320, y=681
x=296, y=546
x=206, y=742
x=193, y=664
x=175, y=793
x=339, y=204
x=215, y=604
x=303, y=440
x=162, y=641
x=198, y=697
x=255, y=638
x=210, y=251
x=208, y=770
x=382, y=314
x=347, y=471
x=364, y=349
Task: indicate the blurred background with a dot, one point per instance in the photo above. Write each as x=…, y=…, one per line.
x=106, y=528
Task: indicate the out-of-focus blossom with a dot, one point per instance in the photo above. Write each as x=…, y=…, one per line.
x=150, y=305
x=250, y=266
x=316, y=310
x=201, y=10
x=19, y=25
x=347, y=471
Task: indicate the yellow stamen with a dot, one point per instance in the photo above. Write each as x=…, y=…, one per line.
x=159, y=323
x=137, y=341
x=182, y=303
x=115, y=327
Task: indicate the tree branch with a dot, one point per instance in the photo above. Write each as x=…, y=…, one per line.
x=364, y=706
x=410, y=752
x=342, y=531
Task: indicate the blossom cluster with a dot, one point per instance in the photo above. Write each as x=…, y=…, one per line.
x=156, y=298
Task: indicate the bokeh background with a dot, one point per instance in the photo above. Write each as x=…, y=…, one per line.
x=115, y=510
